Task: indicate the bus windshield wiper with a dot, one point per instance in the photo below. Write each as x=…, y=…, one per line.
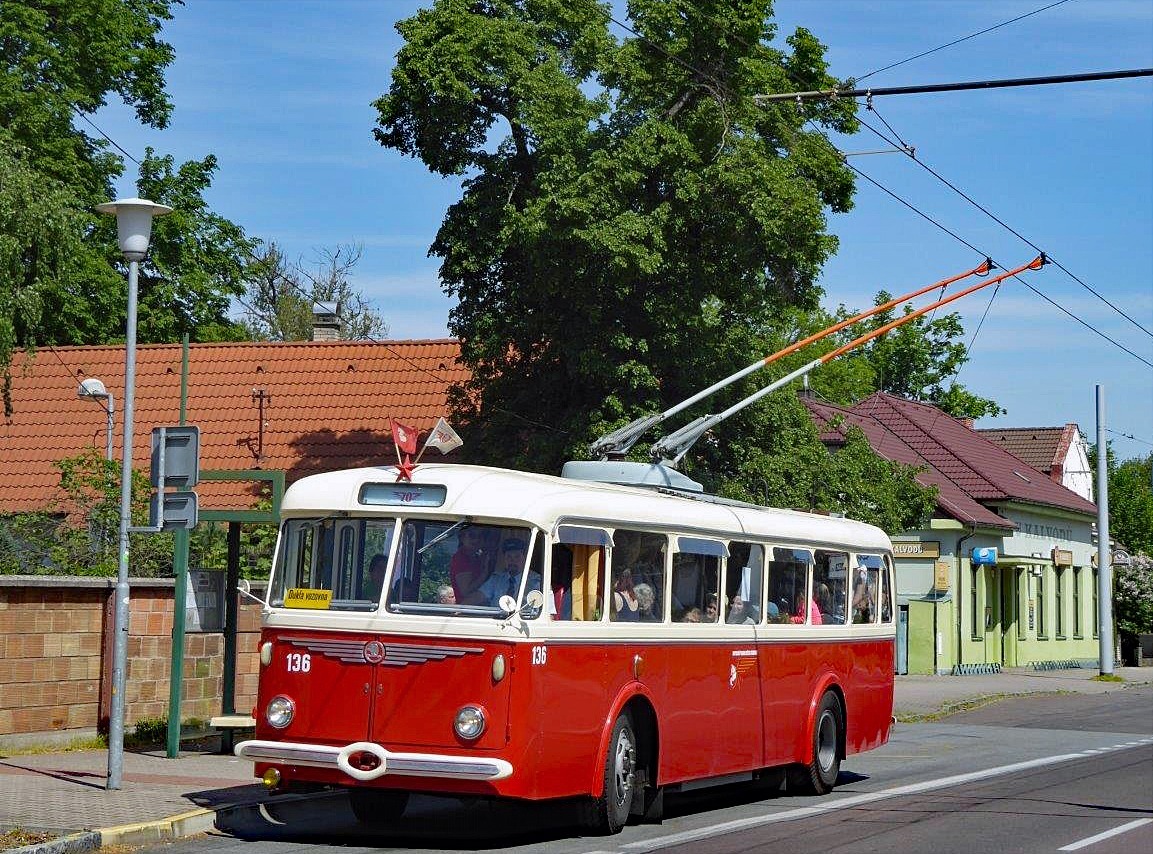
x=443, y=535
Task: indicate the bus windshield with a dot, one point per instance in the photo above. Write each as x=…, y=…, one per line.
x=331, y=563
x=461, y=568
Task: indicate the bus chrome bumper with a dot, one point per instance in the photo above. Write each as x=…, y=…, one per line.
x=408, y=764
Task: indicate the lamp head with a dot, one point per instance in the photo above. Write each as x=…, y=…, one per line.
x=92, y=387
x=133, y=224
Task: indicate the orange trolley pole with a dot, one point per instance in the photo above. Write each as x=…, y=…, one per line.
x=619, y=441
x=680, y=441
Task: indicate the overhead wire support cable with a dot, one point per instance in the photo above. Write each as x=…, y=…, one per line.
x=622, y=439
x=678, y=443
x=955, y=87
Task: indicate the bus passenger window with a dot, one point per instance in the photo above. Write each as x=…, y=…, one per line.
x=865, y=580
x=642, y=554
x=830, y=577
x=695, y=578
x=887, y=592
x=559, y=604
x=788, y=585
x=743, y=583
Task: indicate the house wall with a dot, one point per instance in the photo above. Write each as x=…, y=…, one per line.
x=56, y=656
x=1005, y=614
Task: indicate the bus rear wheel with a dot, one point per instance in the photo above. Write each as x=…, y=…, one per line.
x=377, y=806
x=610, y=812
x=820, y=775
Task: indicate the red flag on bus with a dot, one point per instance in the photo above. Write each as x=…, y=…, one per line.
x=404, y=437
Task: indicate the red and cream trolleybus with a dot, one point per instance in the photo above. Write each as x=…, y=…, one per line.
x=610, y=634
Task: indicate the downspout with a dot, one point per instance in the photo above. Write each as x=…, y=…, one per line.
x=960, y=596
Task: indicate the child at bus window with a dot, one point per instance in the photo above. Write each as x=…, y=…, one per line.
x=692, y=615
x=445, y=595
x=374, y=583
x=646, y=603
x=741, y=612
x=625, y=605
x=712, y=612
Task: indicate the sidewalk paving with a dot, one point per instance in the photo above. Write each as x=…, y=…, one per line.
x=161, y=799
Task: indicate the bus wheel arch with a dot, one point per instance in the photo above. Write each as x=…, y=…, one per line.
x=826, y=746
x=626, y=770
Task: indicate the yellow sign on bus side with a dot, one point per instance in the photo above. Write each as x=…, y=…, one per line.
x=307, y=597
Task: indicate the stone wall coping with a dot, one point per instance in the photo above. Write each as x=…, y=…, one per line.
x=93, y=582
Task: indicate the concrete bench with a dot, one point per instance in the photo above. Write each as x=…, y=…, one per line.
x=228, y=725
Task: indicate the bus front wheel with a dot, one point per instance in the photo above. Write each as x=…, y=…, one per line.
x=610, y=812
x=377, y=806
x=820, y=775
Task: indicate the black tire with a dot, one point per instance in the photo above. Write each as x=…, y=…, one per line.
x=375, y=807
x=610, y=812
x=820, y=775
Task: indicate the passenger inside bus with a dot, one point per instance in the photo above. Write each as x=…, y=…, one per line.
x=804, y=602
x=646, y=603
x=445, y=595
x=470, y=566
x=626, y=608
x=741, y=612
x=560, y=584
x=692, y=615
x=374, y=582
x=711, y=609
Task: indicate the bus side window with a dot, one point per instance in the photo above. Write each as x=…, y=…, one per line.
x=642, y=554
x=887, y=592
x=788, y=584
x=743, y=583
x=830, y=576
x=559, y=604
x=694, y=588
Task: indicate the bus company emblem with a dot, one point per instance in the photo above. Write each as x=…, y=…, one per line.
x=375, y=652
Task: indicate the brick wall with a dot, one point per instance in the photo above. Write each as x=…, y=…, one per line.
x=56, y=656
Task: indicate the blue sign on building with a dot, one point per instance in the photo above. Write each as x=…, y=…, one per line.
x=983, y=557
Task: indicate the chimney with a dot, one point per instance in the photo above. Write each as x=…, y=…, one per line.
x=968, y=422
x=325, y=322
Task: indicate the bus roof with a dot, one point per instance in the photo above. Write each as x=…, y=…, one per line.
x=485, y=493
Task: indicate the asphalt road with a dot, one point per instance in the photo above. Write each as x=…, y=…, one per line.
x=1030, y=774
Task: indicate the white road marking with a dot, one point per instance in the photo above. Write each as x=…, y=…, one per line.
x=1117, y=831
x=859, y=800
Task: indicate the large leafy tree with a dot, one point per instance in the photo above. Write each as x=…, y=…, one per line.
x=630, y=218
x=61, y=276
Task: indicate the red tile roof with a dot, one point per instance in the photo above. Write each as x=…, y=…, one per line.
x=951, y=498
x=327, y=405
x=1044, y=448
x=980, y=468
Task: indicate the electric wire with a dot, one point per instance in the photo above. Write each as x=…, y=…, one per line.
x=962, y=39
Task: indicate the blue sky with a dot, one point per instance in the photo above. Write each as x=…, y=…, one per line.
x=281, y=90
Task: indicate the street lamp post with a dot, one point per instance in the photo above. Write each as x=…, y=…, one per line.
x=134, y=228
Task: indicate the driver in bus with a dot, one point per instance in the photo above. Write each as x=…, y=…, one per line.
x=505, y=579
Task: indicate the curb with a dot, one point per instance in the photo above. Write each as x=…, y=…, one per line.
x=73, y=843
x=162, y=830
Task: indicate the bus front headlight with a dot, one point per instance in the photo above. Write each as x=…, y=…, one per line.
x=279, y=712
x=469, y=722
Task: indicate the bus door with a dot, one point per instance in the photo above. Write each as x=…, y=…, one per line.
x=569, y=686
x=323, y=671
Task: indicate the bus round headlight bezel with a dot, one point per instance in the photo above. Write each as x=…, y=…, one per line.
x=470, y=722
x=280, y=711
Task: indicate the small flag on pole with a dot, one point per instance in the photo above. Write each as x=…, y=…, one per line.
x=443, y=438
x=404, y=437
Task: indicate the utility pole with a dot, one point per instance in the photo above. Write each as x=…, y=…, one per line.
x=1104, y=558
